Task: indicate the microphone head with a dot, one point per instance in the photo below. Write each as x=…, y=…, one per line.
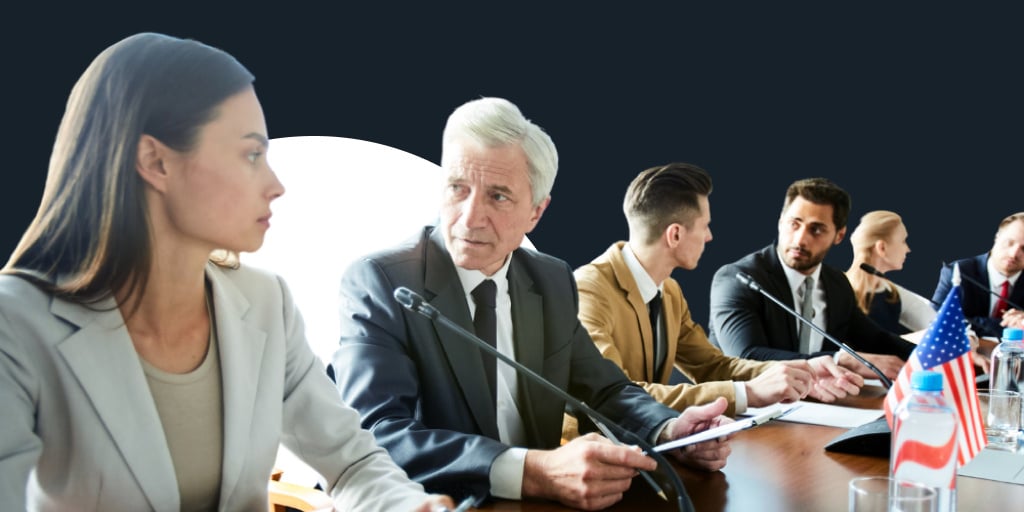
x=407, y=298
x=747, y=280
x=871, y=270
x=415, y=303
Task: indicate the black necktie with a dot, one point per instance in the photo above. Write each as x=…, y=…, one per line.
x=485, y=322
x=660, y=344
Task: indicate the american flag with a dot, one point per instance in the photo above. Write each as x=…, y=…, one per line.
x=946, y=349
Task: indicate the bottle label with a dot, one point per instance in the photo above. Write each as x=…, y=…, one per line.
x=932, y=457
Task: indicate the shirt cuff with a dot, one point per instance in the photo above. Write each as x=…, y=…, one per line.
x=656, y=433
x=507, y=474
x=741, y=396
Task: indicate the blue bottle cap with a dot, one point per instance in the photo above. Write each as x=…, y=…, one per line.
x=926, y=381
x=1013, y=334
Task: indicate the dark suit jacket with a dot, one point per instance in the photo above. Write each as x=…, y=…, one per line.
x=746, y=324
x=422, y=391
x=974, y=298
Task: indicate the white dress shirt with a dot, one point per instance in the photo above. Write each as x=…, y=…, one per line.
x=507, y=470
x=995, y=282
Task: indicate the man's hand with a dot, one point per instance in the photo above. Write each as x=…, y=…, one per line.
x=588, y=473
x=832, y=382
x=979, y=358
x=786, y=382
x=1013, y=318
x=709, y=455
x=889, y=365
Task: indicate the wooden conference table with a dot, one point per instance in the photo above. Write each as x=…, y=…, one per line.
x=784, y=467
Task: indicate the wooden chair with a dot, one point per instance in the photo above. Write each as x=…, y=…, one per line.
x=288, y=495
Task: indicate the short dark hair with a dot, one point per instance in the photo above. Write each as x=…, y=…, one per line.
x=821, y=191
x=663, y=195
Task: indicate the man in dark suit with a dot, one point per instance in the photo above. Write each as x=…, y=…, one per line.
x=746, y=324
x=445, y=412
x=997, y=270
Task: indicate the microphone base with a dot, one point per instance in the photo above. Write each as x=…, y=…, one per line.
x=873, y=438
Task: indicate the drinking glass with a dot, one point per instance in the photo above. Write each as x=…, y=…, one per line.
x=1000, y=412
x=885, y=494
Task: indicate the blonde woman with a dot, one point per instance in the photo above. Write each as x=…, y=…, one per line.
x=880, y=240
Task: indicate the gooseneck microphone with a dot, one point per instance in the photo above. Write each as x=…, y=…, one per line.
x=415, y=303
x=874, y=271
x=871, y=270
x=981, y=286
x=745, y=278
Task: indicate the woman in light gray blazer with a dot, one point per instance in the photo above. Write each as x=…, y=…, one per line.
x=141, y=367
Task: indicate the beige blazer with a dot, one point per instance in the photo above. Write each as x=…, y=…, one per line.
x=80, y=431
x=615, y=314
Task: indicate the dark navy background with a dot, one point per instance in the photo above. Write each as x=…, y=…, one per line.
x=914, y=109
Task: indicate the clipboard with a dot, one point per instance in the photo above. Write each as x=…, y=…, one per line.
x=723, y=430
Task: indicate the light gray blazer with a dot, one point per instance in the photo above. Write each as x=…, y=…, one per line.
x=79, y=429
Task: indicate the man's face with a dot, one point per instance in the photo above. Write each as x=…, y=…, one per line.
x=487, y=207
x=1008, y=249
x=806, y=233
x=693, y=238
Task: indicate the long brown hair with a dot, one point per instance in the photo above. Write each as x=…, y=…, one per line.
x=874, y=226
x=91, y=234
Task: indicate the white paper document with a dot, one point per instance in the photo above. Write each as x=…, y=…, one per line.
x=764, y=415
x=815, y=413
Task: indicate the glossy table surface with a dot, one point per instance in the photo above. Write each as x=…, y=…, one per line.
x=783, y=466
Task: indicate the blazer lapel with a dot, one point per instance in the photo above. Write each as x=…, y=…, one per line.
x=527, y=332
x=626, y=281
x=103, y=359
x=444, y=291
x=782, y=291
x=241, y=348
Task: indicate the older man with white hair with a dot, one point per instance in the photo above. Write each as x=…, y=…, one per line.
x=446, y=412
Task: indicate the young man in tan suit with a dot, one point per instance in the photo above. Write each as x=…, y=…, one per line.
x=668, y=214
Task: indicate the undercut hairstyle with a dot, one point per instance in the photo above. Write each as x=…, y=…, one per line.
x=823, y=192
x=497, y=122
x=91, y=234
x=665, y=195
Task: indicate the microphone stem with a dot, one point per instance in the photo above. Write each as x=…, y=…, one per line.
x=519, y=367
x=881, y=376
x=977, y=283
x=681, y=497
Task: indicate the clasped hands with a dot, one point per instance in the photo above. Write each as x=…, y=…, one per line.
x=819, y=378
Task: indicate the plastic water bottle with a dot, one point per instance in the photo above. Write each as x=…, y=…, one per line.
x=1007, y=372
x=924, y=438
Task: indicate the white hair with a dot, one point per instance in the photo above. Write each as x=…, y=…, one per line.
x=496, y=122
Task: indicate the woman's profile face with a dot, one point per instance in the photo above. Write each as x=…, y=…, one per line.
x=896, y=249
x=221, y=196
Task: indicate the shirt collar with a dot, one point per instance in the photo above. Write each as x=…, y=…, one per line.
x=996, y=278
x=796, y=279
x=648, y=288
x=470, y=279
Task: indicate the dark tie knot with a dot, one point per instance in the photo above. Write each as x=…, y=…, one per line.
x=484, y=294
x=654, y=305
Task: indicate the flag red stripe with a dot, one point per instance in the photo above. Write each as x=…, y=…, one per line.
x=961, y=394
